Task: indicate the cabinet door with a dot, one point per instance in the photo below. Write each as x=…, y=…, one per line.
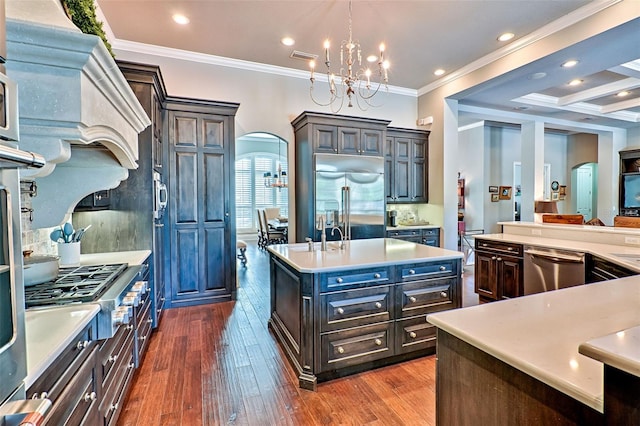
x=402, y=169
x=158, y=274
x=509, y=277
x=156, y=151
x=371, y=142
x=485, y=275
x=418, y=173
x=389, y=175
x=200, y=216
x=348, y=140
x=325, y=138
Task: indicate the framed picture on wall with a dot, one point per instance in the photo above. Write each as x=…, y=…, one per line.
x=505, y=193
x=493, y=189
x=495, y=197
x=555, y=196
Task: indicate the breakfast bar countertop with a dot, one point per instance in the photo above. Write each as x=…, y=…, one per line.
x=357, y=253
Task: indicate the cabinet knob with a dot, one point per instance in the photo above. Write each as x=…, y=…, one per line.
x=378, y=305
x=484, y=245
x=443, y=268
x=443, y=294
x=113, y=407
x=131, y=366
x=82, y=344
x=493, y=258
x=412, y=272
x=142, y=338
x=378, y=342
x=339, y=280
x=413, y=334
x=510, y=248
x=113, y=358
x=499, y=259
x=412, y=299
x=340, y=311
x=335, y=149
x=376, y=276
x=340, y=350
x=149, y=321
x=90, y=397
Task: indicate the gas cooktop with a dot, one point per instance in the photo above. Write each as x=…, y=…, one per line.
x=74, y=284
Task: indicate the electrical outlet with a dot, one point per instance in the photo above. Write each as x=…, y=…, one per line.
x=632, y=240
x=536, y=232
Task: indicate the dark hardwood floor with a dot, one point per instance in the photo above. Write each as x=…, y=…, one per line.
x=219, y=364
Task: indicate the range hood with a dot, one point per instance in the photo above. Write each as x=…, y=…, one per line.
x=76, y=109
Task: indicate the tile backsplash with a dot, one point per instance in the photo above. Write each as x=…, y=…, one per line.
x=35, y=239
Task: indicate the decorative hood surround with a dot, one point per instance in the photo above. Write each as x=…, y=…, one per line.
x=72, y=96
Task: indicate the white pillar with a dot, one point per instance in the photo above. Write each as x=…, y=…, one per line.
x=532, y=159
x=609, y=146
x=450, y=174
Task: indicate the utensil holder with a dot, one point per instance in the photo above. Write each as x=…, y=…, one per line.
x=69, y=254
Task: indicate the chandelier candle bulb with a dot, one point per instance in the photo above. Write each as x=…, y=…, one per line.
x=326, y=51
x=312, y=65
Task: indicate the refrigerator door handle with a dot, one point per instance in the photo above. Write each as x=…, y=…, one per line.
x=346, y=212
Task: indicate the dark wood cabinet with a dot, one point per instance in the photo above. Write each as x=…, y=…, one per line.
x=339, y=322
x=598, y=269
x=498, y=270
x=201, y=218
x=330, y=134
x=426, y=236
x=406, y=160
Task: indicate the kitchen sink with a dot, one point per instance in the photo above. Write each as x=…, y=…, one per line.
x=316, y=247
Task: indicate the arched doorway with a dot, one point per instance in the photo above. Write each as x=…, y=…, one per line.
x=584, y=197
x=261, y=168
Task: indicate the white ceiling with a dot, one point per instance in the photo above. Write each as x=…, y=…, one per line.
x=420, y=36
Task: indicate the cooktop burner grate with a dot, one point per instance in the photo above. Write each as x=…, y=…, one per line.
x=74, y=284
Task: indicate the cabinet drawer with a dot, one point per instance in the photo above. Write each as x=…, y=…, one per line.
x=356, y=345
x=422, y=297
x=143, y=334
x=354, y=308
x=113, y=396
x=404, y=233
x=499, y=247
x=414, y=272
x=430, y=232
x=336, y=281
x=414, y=334
x=112, y=351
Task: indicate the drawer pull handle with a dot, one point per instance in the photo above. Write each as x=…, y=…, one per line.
x=43, y=395
x=340, y=350
x=113, y=358
x=149, y=321
x=340, y=311
x=82, y=344
x=378, y=305
x=376, y=276
x=113, y=407
x=131, y=366
x=443, y=268
x=339, y=280
x=499, y=259
x=90, y=397
x=129, y=327
x=413, y=335
x=378, y=342
x=484, y=245
x=141, y=338
x=443, y=294
x=412, y=272
x=510, y=248
x=493, y=258
x=412, y=299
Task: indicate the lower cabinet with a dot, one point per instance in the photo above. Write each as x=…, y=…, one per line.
x=498, y=270
x=426, y=236
x=335, y=323
x=598, y=269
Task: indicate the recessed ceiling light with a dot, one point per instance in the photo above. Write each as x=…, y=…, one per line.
x=506, y=36
x=537, y=75
x=570, y=63
x=372, y=58
x=575, y=82
x=439, y=72
x=288, y=41
x=623, y=93
x=180, y=19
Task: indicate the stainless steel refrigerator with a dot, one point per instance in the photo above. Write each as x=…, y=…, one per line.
x=349, y=194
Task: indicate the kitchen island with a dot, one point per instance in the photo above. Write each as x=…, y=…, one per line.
x=349, y=309
x=520, y=361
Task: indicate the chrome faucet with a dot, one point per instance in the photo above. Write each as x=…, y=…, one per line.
x=323, y=234
x=342, y=240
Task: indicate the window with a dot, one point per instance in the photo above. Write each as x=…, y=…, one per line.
x=251, y=192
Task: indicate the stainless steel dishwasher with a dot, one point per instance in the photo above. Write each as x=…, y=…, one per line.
x=548, y=269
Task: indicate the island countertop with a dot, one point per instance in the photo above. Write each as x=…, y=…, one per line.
x=540, y=334
x=357, y=253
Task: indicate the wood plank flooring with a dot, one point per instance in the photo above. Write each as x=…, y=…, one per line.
x=218, y=364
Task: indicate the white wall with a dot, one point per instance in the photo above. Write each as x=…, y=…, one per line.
x=471, y=145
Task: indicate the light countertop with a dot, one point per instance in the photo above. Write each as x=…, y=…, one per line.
x=620, y=350
x=358, y=253
x=134, y=257
x=49, y=331
x=409, y=227
x=540, y=334
x=627, y=256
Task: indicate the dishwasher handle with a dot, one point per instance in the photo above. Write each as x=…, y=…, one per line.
x=565, y=258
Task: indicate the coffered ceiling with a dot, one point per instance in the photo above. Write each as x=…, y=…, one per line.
x=421, y=36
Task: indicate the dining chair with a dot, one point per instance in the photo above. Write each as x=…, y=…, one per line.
x=272, y=213
x=262, y=233
x=273, y=236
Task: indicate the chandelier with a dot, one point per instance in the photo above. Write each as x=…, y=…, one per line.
x=279, y=178
x=349, y=83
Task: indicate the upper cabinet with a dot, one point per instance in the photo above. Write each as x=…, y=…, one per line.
x=335, y=134
x=406, y=165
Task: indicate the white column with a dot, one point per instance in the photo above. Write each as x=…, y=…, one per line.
x=609, y=146
x=450, y=174
x=532, y=159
